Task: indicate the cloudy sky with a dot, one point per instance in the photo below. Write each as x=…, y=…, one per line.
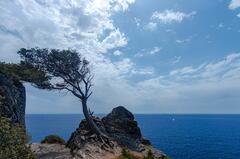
x=159, y=56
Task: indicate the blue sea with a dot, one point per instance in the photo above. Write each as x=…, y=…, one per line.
x=179, y=136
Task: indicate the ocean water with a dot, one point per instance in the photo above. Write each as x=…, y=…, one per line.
x=179, y=136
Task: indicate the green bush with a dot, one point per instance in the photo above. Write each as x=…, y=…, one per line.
x=126, y=154
x=149, y=155
x=53, y=139
x=13, y=141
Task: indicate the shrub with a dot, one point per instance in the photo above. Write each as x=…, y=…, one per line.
x=13, y=141
x=53, y=139
x=126, y=154
x=149, y=155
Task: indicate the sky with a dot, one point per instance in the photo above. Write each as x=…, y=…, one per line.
x=155, y=56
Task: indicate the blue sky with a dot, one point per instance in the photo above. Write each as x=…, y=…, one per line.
x=156, y=56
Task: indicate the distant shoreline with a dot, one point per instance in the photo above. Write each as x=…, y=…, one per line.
x=141, y=114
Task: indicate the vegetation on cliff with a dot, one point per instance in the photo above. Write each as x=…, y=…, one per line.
x=126, y=154
x=53, y=139
x=13, y=141
x=24, y=73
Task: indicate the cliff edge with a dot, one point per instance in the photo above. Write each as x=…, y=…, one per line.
x=13, y=99
x=123, y=132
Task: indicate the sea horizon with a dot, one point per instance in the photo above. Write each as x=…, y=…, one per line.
x=137, y=114
x=178, y=135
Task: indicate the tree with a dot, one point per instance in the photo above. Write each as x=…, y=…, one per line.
x=65, y=70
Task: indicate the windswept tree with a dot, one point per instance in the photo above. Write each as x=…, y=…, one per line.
x=66, y=70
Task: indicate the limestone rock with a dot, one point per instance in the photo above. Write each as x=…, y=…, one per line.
x=83, y=144
x=51, y=151
x=13, y=99
x=120, y=125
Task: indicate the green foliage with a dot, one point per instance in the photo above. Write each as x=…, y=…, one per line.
x=126, y=154
x=53, y=139
x=67, y=67
x=23, y=72
x=149, y=155
x=13, y=141
x=166, y=157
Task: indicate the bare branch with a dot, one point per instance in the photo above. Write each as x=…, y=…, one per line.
x=89, y=95
x=74, y=93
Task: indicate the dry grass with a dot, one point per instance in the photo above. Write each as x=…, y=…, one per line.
x=127, y=154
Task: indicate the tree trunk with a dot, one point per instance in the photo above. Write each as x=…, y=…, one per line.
x=89, y=119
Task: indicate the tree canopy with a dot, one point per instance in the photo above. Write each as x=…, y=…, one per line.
x=26, y=73
x=65, y=70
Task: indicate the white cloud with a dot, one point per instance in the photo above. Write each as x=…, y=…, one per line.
x=176, y=60
x=182, y=41
x=151, y=26
x=137, y=21
x=117, y=53
x=234, y=4
x=238, y=15
x=207, y=88
x=83, y=25
x=114, y=39
x=170, y=16
x=154, y=50
x=220, y=25
x=124, y=66
x=210, y=71
x=144, y=71
x=146, y=52
x=88, y=27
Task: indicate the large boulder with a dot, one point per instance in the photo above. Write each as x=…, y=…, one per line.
x=123, y=132
x=120, y=125
x=12, y=99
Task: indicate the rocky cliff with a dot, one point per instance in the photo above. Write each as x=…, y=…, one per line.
x=13, y=99
x=123, y=132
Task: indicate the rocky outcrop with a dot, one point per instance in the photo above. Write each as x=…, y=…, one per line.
x=51, y=151
x=89, y=151
x=123, y=131
x=13, y=99
x=121, y=126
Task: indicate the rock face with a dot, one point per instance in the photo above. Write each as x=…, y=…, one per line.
x=13, y=99
x=121, y=126
x=123, y=131
x=51, y=151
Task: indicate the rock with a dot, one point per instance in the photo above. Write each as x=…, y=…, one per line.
x=57, y=151
x=89, y=151
x=121, y=113
x=51, y=151
x=13, y=99
x=120, y=125
x=83, y=134
x=146, y=142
